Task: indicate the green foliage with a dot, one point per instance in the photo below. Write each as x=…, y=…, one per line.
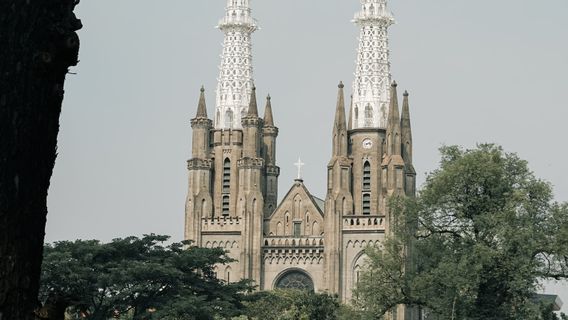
x=292, y=305
x=475, y=243
x=547, y=313
x=138, y=278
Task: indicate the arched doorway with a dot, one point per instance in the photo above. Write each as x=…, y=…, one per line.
x=294, y=279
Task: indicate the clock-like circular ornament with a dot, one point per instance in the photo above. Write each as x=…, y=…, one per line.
x=367, y=143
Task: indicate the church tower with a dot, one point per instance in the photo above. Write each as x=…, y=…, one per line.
x=371, y=160
x=339, y=200
x=303, y=242
x=233, y=175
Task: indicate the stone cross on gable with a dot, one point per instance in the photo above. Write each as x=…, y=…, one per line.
x=299, y=164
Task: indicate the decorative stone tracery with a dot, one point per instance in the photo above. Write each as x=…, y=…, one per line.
x=236, y=73
x=295, y=279
x=372, y=73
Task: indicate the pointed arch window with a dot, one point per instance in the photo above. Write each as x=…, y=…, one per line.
x=367, y=176
x=227, y=176
x=229, y=119
x=226, y=187
x=368, y=116
x=226, y=205
x=366, y=204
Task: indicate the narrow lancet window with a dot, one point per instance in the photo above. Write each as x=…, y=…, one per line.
x=226, y=205
x=229, y=119
x=367, y=176
x=366, y=204
x=227, y=176
x=368, y=116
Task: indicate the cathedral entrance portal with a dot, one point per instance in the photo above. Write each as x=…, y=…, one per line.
x=294, y=279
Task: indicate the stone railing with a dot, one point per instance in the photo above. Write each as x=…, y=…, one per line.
x=292, y=242
x=364, y=223
x=219, y=224
x=293, y=251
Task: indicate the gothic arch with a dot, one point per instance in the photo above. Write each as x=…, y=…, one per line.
x=294, y=278
x=228, y=273
x=315, y=228
x=297, y=207
x=357, y=266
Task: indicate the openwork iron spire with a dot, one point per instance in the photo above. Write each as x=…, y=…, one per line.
x=371, y=87
x=235, y=80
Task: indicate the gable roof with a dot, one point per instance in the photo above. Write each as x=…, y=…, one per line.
x=299, y=184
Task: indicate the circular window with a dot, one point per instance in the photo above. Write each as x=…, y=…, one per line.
x=295, y=280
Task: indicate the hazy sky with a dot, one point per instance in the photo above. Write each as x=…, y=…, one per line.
x=477, y=71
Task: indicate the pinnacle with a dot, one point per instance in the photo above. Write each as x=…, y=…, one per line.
x=350, y=120
x=268, y=118
x=393, y=112
x=340, y=110
x=201, y=107
x=405, y=109
x=253, y=109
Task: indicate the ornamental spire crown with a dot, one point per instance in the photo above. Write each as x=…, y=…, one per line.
x=238, y=13
x=371, y=86
x=235, y=80
x=374, y=10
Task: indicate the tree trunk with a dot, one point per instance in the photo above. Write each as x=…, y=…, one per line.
x=38, y=45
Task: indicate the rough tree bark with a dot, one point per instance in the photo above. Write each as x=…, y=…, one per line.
x=38, y=44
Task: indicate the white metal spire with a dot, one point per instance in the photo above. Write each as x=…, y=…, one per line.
x=371, y=95
x=235, y=80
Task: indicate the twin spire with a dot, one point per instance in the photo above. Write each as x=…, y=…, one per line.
x=370, y=100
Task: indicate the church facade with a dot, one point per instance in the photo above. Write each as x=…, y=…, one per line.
x=302, y=241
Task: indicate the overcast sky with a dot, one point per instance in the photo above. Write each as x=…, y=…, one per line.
x=477, y=71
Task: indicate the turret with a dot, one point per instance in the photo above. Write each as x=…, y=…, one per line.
x=339, y=126
x=251, y=129
x=201, y=126
x=339, y=200
x=406, y=131
x=393, y=125
x=270, y=132
x=199, y=203
x=251, y=199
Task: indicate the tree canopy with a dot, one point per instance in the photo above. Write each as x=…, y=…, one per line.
x=475, y=243
x=139, y=278
x=291, y=304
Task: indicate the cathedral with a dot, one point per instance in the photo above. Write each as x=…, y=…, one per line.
x=302, y=241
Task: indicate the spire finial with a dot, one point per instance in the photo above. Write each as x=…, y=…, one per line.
x=268, y=118
x=340, y=109
x=253, y=108
x=201, y=107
